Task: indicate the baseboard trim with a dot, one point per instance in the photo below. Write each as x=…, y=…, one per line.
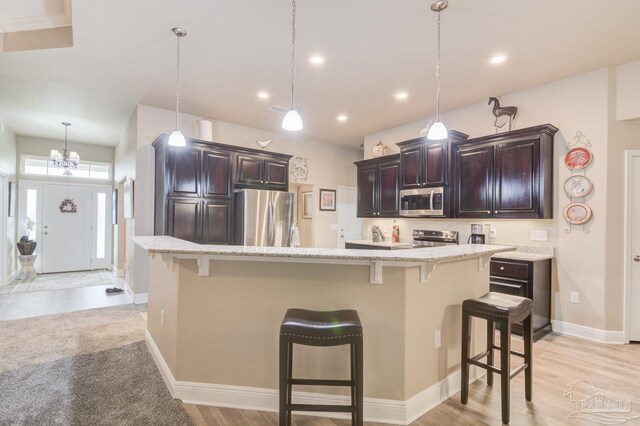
x=136, y=299
x=589, y=333
x=117, y=272
x=12, y=276
x=260, y=399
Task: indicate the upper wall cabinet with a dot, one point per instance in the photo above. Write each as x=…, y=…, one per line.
x=424, y=163
x=263, y=171
x=508, y=175
x=378, y=186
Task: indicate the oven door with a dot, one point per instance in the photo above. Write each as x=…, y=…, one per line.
x=424, y=202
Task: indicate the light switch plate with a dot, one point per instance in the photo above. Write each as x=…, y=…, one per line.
x=437, y=339
x=493, y=234
x=537, y=235
x=574, y=297
x=334, y=226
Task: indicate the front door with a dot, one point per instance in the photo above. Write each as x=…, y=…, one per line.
x=66, y=220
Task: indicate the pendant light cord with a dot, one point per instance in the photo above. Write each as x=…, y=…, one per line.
x=293, y=52
x=438, y=74
x=66, y=127
x=177, y=79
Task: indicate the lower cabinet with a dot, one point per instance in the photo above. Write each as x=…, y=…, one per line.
x=526, y=279
x=200, y=221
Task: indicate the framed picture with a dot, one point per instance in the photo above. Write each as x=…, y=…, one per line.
x=327, y=200
x=127, y=202
x=114, y=207
x=12, y=200
x=307, y=205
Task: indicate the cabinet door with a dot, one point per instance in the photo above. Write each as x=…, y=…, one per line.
x=216, y=222
x=250, y=171
x=185, y=170
x=516, y=179
x=276, y=174
x=183, y=217
x=434, y=165
x=367, y=184
x=411, y=165
x=388, y=189
x=216, y=174
x=473, y=189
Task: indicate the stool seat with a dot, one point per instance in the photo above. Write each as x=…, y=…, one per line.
x=321, y=325
x=500, y=306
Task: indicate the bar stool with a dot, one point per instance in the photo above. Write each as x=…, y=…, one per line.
x=504, y=310
x=315, y=328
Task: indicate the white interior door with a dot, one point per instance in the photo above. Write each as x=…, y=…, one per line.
x=67, y=236
x=4, y=242
x=349, y=225
x=634, y=248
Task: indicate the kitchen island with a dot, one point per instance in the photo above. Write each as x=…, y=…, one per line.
x=215, y=311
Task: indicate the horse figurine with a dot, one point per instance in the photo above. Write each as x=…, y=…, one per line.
x=499, y=111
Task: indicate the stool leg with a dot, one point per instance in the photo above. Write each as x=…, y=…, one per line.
x=359, y=381
x=464, y=365
x=491, y=332
x=289, y=380
x=352, y=365
x=527, y=333
x=284, y=360
x=505, y=369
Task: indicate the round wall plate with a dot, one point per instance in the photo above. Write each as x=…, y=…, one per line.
x=577, y=213
x=578, y=186
x=578, y=158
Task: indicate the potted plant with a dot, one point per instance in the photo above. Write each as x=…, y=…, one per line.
x=27, y=246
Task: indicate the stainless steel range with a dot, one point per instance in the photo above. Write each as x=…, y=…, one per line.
x=427, y=238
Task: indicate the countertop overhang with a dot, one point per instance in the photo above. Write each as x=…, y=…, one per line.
x=171, y=248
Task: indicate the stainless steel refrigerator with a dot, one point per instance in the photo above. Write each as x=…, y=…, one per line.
x=263, y=218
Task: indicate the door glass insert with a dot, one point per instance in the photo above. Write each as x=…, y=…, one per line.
x=100, y=228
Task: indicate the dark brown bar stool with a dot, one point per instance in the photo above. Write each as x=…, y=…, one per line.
x=504, y=310
x=314, y=328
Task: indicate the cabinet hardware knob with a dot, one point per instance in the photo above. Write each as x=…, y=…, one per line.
x=495, y=211
x=488, y=211
x=502, y=268
x=636, y=258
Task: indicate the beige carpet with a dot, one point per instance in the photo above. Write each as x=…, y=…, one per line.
x=84, y=368
x=61, y=281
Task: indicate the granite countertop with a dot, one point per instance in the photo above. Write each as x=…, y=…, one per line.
x=170, y=245
x=529, y=253
x=392, y=246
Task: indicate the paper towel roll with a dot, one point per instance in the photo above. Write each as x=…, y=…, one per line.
x=205, y=129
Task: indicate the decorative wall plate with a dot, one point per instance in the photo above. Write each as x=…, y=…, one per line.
x=577, y=213
x=578, y=158
x=578, y=186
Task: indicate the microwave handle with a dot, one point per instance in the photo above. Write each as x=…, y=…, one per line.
x=431, y=200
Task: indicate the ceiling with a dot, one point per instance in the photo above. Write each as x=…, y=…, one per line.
x=124, y=54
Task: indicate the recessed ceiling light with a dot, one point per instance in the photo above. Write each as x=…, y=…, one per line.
x=263, y=95
x=401, y=96
x=342, y=117
x=498, y=59
x=317, y=59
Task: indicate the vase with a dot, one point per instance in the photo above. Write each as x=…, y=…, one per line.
x=26, y=247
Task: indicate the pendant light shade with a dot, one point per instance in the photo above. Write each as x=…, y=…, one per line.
x=292, y=120
x=438, y=131
x=177, y=138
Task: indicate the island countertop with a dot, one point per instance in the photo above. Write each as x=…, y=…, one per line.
x=173, y=246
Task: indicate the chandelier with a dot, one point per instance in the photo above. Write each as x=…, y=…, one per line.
x=67, y=160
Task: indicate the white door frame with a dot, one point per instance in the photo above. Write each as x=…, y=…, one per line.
x=4, y=217
x=629, y=155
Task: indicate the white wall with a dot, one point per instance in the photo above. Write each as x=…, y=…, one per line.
x=580, y=103
x=628, y=91
x=8, y=169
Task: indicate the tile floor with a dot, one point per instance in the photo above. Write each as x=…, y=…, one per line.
x=37, y=303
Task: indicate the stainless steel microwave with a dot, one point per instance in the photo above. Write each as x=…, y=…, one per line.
x=422, y=202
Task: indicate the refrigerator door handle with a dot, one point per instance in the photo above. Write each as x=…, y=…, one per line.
x=271, y=224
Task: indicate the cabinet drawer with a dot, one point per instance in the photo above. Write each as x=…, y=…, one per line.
x=514, y=288
x=510, y=269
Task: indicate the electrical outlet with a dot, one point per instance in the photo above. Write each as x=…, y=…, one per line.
x=574, y=297
x=493, y=234
x=437, y=339
x=162, y=317
x=539, y=235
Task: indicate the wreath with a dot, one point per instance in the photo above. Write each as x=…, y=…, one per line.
x=68, y=206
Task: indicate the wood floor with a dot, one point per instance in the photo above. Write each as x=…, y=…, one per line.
x=558, y=361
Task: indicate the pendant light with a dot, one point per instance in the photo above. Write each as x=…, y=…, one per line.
x=67, y=160
x=438, y=131
x=292, y=120
x=177, y=138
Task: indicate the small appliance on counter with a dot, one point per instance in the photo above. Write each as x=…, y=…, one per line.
x=480, y=233
x=428, y=238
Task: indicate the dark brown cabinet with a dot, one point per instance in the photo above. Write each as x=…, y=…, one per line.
x=508, y=175
x=195, y=184
x=526, y=279
x=378, y=186
x=261, y=172
x=424, y=163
